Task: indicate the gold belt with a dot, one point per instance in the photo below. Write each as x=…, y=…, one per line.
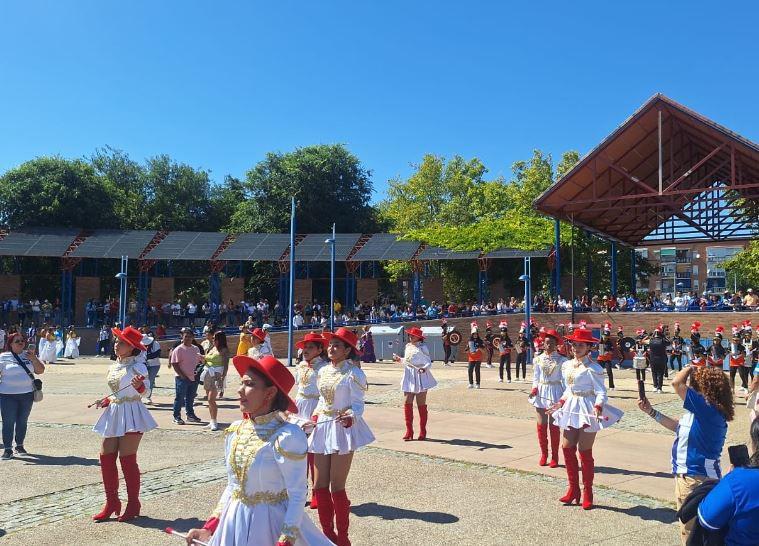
x=550, y=382
x=260, y=497
x=332, y=413
x=116, y=400
x=308, y=396
x=583, y=394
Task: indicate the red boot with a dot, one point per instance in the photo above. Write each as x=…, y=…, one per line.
x=111, y=485
x=408, y=413
x=588, y=471
x=310, y=470
x=555, y=439
x=422, y=422
x=573, y=477
x=342, y=516
x=132, y=478
x=326, y=513
x=543, y=442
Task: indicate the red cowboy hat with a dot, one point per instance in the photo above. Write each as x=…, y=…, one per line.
x=551, y=332
x=346, y=336
x=311, y=337
x=582, y=335
x=130, y=336
x=273, y=369
x=260, y=334
x=416, y=332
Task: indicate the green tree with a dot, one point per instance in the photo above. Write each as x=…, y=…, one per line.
x=745, y=265
x=329, y=183
x=52, y=191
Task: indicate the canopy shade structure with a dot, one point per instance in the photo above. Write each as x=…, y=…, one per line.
x=187, y=245
x=313, y=248
x=113, y=244
x=386, y=246
x=666, y=174
x=37, y=242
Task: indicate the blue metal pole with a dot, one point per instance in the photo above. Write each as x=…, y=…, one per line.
x=332, y=284
x=123, y=291
x=613, y=268
x=528, y=307
x=633, y=275
x=291, y=292
x=557, y=258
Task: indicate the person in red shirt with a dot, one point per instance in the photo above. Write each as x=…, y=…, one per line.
x=476, y=347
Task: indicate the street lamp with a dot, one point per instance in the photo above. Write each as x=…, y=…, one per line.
x=331, y=242
x=527, y=308
x=122, y=277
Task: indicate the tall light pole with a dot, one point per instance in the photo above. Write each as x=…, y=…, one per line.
x=527, y=306
x=291, y=291
x=122, y=276
x=331, y=242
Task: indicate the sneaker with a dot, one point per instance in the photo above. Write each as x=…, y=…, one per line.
x=477, y=387
x=470, y=386
x=21, y=451
x=508, y=381
x=489, y=365
x=500, y=380
x=7, y=455
x=178, y=421
x=193, y=419
x=149, y=401
x=214, y=427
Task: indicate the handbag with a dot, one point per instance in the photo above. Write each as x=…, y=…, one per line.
x=36, y=383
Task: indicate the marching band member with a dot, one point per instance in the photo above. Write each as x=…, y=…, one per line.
x=695, y=335
x=676, y=350
x=716, y=357
x=475, y=347
x=123, y=423
x=521, y=349
x=620, y=347
x=581, y=412
x=504, y=351
x=340, y=430
x=417, y=380
x=265, y=456
x=606, y=353
x=258, y=348
x=699, y=358
x=489, y=342
x=447, y=360
x=752, y=350
x=547, y=388
x=737, y=358
x=640, y=360
x=657, y=357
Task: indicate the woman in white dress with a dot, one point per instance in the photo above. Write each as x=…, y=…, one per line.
x=312, y=351
x=417, y=380
x=263, y=503
x=339, y=431
x=123, y=423
x=547, y=388
x=258, y=348
x=580, y=413
x=48, y=349
x=72, y=345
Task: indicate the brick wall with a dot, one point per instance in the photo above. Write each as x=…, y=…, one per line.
x=367, y=290
x=10, y=287
x=233, y=289
x=86, y=288
x=433, y=289
x=161, y=290
x=303, y=291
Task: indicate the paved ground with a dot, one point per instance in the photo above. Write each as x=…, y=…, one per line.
x=474, y=482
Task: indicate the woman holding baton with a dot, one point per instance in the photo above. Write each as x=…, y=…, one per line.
x=417, y=380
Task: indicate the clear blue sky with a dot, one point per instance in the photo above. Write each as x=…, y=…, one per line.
x=217, y=84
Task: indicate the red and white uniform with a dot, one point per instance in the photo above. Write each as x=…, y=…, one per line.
x=548, y=379
x=417, y=369
x=125, y=411
x=307, y=396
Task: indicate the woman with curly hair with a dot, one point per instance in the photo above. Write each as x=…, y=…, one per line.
x=700, y=433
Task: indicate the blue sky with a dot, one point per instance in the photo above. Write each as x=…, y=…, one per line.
x=218, y=84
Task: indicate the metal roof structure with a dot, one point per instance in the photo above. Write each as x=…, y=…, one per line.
x=313, y=248
x=113, y=244
x=257, y=246
x=386, y=246
x=187, y=245
x=438, y=253
x=39, y=242
x=666, y=174
x=510, y=253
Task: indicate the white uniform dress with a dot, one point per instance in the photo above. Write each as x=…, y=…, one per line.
x=341, y=392
x=126, y=412
x=259, y=351
x=584, y=390
x=548, y=379
x=72, y=347
x=48, y=351
x=307, y=397
x=417, y=371
x=266, y=486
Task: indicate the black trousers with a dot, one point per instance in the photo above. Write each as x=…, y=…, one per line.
x=474, y=367
x=658, y=369
x=447, y=355
x=522, y=360
x=640, y=375
x=609, y=365
x=505, y=359
x=490, y=356
x=679, y=359
x=744, y=371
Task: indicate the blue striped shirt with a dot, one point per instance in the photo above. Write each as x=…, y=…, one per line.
x=700, y=436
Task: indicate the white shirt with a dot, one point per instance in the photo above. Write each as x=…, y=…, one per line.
x=13, y=378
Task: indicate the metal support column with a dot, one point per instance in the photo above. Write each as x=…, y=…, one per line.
x=613, y=268
x=527, y=305
x=122, y=276
x=214, y=285
x=482, y=285
x=283, y=288
x=557, y=258
x=143, y=286
x=416, y=286
x=633, y=273
x=67, y=297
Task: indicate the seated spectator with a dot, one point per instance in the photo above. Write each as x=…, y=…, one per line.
x=751, y=300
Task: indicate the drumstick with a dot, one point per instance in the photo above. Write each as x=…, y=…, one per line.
x=138, y=376
x=171, y=531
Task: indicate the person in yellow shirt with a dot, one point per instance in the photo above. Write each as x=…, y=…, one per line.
x=245, y=342
x=338, y=307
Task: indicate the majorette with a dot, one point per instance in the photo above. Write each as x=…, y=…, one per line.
x=547, y=388
x=417, y=380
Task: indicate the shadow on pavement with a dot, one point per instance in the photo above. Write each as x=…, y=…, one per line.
x=662, y=515
x=482, y=446
x=2, y=532
x=182, y=525
x=51, y=460
x=393, y=512
x=624, y=471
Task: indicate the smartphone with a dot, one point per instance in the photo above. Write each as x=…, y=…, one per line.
x=30, y=347
x=738, y=455
x=641, y=389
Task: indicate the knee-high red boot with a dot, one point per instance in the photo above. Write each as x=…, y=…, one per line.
x=408, y=413
x=555, y=440
x=588, y=471
x=423, y=422
x=326, y=513
x=573, y=477
x=132, y=478
x=543, y=442
x=342, y=516
x=311, y=470
x=111, y=485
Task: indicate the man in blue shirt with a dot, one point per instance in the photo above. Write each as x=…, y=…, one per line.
x=734, y=503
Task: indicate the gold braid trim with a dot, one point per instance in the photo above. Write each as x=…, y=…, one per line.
x=288, y=454
x=260, y=497
x=290, y=534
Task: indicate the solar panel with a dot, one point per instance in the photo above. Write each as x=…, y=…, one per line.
x=114, y=244
x=439, y=253
x=386, y=246
x=187, y=245
x=313, y=248
x=512, y=253
x=257, y=246
x=40, y=242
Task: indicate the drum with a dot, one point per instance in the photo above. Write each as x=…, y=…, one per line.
x=627, y=344
x=496, y=342
x=454, y=338
x=472, y=347
x=639, y=362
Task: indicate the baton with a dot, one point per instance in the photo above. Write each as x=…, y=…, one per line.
x=138, y=376
x=171, y=531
